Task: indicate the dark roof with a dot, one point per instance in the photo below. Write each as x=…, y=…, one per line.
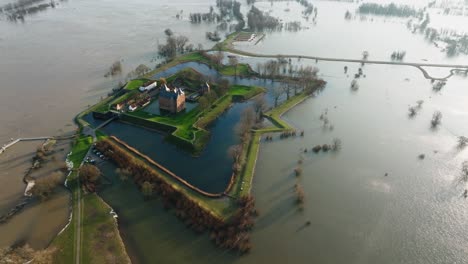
x=166, y=92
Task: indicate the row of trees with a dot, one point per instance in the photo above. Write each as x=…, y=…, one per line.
x=115, y=69
x=388, y=10
x=229, y=235
x=398, y=55
x=90, y=177
x=227, y=8
x=259, y=21
x=26, y=254
x=174, y=45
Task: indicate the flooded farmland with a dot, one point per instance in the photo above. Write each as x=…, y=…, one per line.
x=374, y=201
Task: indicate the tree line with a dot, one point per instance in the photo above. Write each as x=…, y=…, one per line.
x=232, y=234
x=388, y=10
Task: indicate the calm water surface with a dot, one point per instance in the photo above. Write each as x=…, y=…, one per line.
x=414, y=215
x=52, y=67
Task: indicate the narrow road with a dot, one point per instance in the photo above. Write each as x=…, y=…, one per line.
x=454, y=67
x=80, y=206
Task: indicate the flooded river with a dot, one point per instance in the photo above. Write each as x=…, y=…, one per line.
x=52, y=67
x=415, y=214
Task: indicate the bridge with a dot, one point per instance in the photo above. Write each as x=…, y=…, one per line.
x=454, y=67
x=107, y=122
x=12, y=143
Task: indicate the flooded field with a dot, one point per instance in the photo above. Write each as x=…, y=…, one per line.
x=374, y=201
x=46, y=82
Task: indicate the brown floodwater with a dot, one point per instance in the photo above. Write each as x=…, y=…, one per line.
x=52, y=67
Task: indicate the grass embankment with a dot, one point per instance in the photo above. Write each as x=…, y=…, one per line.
x=190, y=126
x=100, y=233
x=275, y=114
x=243, y=184
x=65, y=242
x=97, y=223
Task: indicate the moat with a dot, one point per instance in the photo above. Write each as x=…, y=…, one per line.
x=374, y=201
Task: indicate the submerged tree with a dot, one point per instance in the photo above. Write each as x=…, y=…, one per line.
x=354, y=85
x=45, y=186
x=436, y=119
x=336, y=144
x=462, y=141
x=259, y=106
x=412, y=111
x=147, y=189
x=464, y=172
x=277, y=92
x=233, y=61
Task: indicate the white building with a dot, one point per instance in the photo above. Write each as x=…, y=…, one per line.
x=148, y=87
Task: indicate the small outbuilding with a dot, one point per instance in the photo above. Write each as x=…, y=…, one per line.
x=148, y=86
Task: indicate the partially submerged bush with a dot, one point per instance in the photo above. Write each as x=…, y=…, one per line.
x=300, y=195
x=298, y=171
x=45, y=186
x=462, y=141
x=325, y=147
x=336, y=145
x=436, y=119
x=317, y=148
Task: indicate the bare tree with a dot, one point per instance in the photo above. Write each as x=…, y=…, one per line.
x=45, y=186
x=300, y=195
x=277, y=92
x=217, y=59
x=147, y=189
x=365, y=55
x=336, y=145
x=90, y=173
x=420, y=103
x=412, y=111
x=223, y=86
x=462, y=141
x=234, y=152
x=26, y=254
x=123, y=173
x=181, y=41
x=246, y=122
x=259, y=106
x=233, y=61
x=354, y=85
x=436, y=119
x=168, y=32
x=464, y=172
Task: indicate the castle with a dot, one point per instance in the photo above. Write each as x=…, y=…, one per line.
x=171, y=99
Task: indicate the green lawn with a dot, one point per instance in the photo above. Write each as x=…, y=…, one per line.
x=135, y=84
x=190, y=126
x=79, y=150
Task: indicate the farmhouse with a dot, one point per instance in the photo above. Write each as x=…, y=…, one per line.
x=171, y=99
x=148, y=86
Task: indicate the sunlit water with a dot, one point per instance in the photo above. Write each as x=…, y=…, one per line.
x=52, y=67
x=357, y=214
